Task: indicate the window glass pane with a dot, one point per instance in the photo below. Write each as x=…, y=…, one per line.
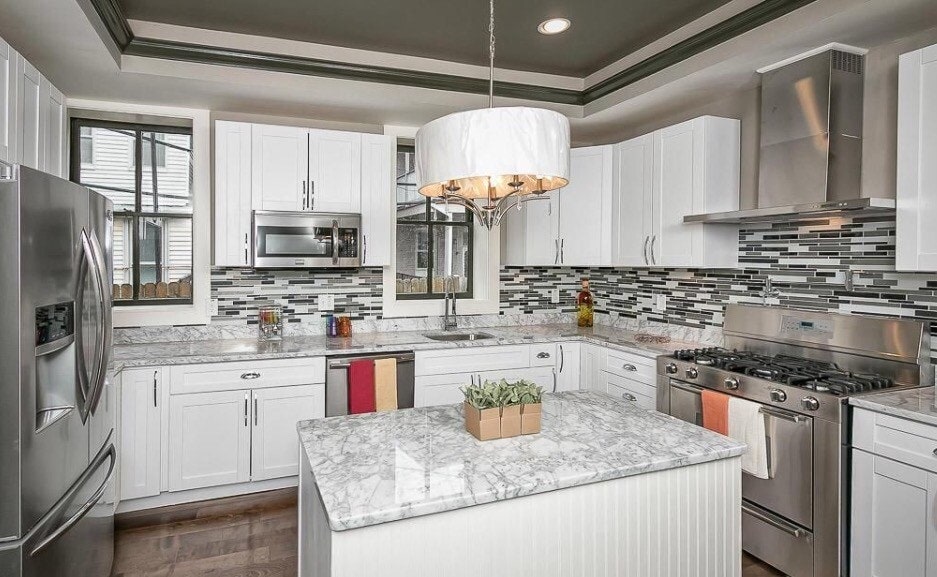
x=449, y=212
x=412, y=258
x=411, y=205
x=165, y=258
x=171, y=174
x=450, y=258
x=106, y=165
x=123, y=258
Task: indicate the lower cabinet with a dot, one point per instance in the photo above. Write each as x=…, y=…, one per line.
x=430, y=390
x=568, y=376
x=636, y=392
x=592, y=361
x=140, y=429
x=237, y=436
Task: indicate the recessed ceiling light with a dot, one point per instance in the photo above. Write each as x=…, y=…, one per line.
x=553, y=26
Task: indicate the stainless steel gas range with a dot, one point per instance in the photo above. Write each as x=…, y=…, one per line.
x=801, y=367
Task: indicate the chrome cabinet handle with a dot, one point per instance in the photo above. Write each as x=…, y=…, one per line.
x=304, y=195
x=653, y=241
x=250, y=376
x=543, y=355
x=562, y=252
x=554, y=380
x=312, y=195
x=556, y=251
x=646, y=240
x=154, y=387
x=364, y=249
x=255, y=409
x=629, y=367
x=246, y=246
x=562, y=358
x=935, y=452
x=245, y=408
x=334, y=242
x=629, y=397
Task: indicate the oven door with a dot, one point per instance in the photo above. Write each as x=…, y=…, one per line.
x=302, y=240
x=788, y=492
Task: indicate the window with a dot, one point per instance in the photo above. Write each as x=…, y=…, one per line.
x=152, y=196
x=434, y=240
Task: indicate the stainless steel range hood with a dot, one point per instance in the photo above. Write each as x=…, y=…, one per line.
x=811, y=143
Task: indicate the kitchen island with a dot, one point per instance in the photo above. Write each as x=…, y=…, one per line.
x=605, y=489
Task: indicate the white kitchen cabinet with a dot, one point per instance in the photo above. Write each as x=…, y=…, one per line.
x=916, y=236
x=232, y=193
x=7, y=103
x=568, y=377
x=530, y=236
x=140, y=432
x=432, y=390
x=334, y=171
x=894, y=529
x=586, y=208
x=30, y=140
x=630, y=390
x=632, y=201
x=274, y=440
x=209, y=439
x=377, y=198
x=53, y=127
x=279, y=167
x=592, y=362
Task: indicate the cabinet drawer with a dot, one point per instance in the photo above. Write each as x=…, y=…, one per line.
x=543, y=355
x=896, y=438
x=471, y=360
x=633, y=394
x=440, y=389
x=631, y=366
x=210, y=377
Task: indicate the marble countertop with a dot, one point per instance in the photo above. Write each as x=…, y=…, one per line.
x=220, y=350
x=913, y=404
x=383, y=467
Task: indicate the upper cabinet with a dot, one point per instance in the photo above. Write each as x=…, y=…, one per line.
x=334, y=171
x=377, y=198
x=52, y=123
x=625, y=203
x=30, y=148
x=7, y=103
x=916, y=237
x=232, y=193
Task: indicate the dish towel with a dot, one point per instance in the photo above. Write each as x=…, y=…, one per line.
x=385, y=384
x=747, y=424
x=361, y=387
x=715, y=411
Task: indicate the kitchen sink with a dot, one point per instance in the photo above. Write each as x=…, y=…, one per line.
x=458, y=336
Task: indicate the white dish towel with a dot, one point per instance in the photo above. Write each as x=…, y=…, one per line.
x=747, y=424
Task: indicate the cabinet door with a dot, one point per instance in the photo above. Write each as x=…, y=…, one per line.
x=7, y=103
x=632, y=201
x=232, y=193
x=630, y=390
x=279, y=167
x=541, y=376
x=209, y=439
x=140, y=432
x=335, y=171
x=274, y=440
x=28, y=105
x=52, y=123
x=592, y=359
x=893, y=518
x=916, y=236
x=434, y=390
x=568, y=374
x=671, y=239
x=586, y=208
x=541, y=229
x=377, y=198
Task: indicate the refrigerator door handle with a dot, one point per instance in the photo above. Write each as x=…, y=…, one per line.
x=104, y=347
x=86, y=375
x=109, y=453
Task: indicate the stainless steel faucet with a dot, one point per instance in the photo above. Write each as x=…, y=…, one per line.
x=450, y=321
x=768, y=291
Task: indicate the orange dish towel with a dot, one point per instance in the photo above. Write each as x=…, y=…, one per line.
x=716, y=411
x=385, y=384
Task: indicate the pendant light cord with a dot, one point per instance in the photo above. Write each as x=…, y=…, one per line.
x=491, y=53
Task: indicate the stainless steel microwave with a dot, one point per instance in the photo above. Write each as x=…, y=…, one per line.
x=306, y=240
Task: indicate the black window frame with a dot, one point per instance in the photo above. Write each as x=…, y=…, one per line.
x=137, y=213
x=432, y=225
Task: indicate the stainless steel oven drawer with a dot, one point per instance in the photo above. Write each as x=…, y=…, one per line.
x=777, y=541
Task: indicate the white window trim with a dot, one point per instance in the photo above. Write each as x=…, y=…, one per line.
x=196, y=313
x=485, y=277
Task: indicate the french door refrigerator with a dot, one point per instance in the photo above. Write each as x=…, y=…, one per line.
x=57, y=453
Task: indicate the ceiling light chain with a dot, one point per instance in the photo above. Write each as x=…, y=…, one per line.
x=491, y=53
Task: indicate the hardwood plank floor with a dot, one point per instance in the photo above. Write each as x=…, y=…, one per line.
x=247, y=536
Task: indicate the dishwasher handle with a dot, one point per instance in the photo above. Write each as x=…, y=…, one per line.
x=344, y=363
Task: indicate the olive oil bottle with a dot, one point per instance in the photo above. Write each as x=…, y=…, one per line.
x=585, y=306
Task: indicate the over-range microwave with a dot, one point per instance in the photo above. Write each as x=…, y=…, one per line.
x=306, y=240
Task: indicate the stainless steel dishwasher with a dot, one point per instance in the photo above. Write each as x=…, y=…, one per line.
x=336, y=380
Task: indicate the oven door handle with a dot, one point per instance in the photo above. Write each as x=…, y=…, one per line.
x=774, y=521
x=687, y=387
x=792, y=417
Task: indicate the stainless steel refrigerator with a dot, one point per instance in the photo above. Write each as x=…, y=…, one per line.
x=58, y=457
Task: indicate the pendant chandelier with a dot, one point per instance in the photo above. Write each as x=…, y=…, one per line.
x=488, y=160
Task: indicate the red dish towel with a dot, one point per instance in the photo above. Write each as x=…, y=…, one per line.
x=716, y=411
x=361, y=387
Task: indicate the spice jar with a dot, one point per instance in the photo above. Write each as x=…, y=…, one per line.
x=344, y=326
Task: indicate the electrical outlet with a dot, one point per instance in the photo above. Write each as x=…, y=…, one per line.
x=555, y=296
x=213, y=307
x=660, y=302
x=326, y=302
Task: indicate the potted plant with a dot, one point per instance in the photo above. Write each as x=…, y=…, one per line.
x=510, y=401
x=530, y=397
x=501, y=410
x=482, y=410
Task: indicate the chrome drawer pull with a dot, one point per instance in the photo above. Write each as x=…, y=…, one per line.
x=629, y=397
x=543, y=355
x=250, y=376
x=935, y=452
x=629, y=367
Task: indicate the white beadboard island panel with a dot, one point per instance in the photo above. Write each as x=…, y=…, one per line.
x=676, y=522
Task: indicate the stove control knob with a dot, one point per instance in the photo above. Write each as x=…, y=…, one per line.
x=731, y=383
x=810, y=403
x=777, y=395
x=671, y=369
x=692, y=373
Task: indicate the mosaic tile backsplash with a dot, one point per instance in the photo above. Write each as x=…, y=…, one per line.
x=806, y=262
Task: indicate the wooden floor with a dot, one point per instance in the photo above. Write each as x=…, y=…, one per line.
x=249, y=536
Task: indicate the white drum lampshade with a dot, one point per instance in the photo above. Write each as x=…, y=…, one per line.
x=513, y=150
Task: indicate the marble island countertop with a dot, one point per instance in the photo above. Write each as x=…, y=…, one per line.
x=220, y=350
x=383, y=467
x=914, y=404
